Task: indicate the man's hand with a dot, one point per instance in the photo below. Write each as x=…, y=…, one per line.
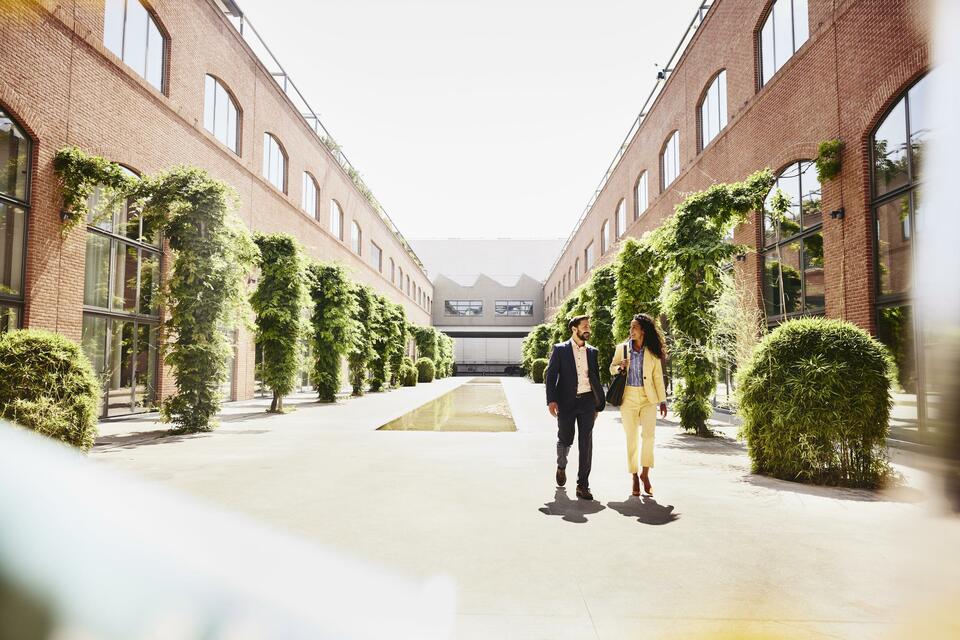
x=663, y=409
x=553, y=409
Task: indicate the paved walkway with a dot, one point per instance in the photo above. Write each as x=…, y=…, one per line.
x=719, y=549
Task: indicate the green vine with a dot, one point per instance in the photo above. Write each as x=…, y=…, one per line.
x=213, y=255
x=600, y=297
x=333, y=325
x=396, y=345
x=278, y=302
x=828, y=160
x=639, y=278
x=80, y=175
x=361, y=350
x=380, y=331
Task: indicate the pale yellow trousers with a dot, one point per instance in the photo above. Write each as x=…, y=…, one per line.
x=637, y=413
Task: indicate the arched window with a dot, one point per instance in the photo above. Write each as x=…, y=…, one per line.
x=793, y=249
x=221, y=117
x=713, y=109
x=604, y=237
x=897, y=148
x=400, y=278
x=640, y=196
x=356, y=237
x=785, y=29
x=393, y=271
x=621, y=218
x=308, y=197
x=408, y=286
x=131, y=32
x=274, y=162
x=670, y=160
x=568, y=284
x=576, y=272
x=588, y=259
x=336, y=220
x=16, y=154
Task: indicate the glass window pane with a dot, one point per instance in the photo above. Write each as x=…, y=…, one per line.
x=12, y=220
x=773, y=302
x=94, y=342
x=155, y=55
x=782, y=32
x=96, y=279
x=14, y=158
x=232, y=127
x=113, y=26
x=119, y=382
x=641, y=195
x=895, y=330
x=125, y=278
x=9, y=318
x=149, y=284
x=801, y=23
x=813, y=277
x=145, y=374
x=810, y=205
x=722, y=98
x=220, y=118
x=766, y=50
x=894, y=259
x=890, y=152
x=135, y=40
x=266, y=155
x=920, y=122
x=209, y=102
x=622, y=218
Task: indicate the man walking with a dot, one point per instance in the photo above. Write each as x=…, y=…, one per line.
x=575, y=397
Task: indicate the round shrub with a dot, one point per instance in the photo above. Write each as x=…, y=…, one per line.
x=408, y=373
x=426, y=370
x=537, y=368
x=815, y=402
x=48, y=386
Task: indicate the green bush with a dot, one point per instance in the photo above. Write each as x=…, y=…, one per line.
x=815, y=402
x=48, y=386
x=537, y=344
x=426, y=370
x=537, y=368
x=408, y=373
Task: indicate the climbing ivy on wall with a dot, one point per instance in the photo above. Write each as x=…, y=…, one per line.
x=333, y=325
x=80, y=174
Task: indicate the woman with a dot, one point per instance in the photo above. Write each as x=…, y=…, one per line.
x=642, y=358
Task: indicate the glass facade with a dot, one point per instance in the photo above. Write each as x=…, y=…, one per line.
x=784, y=31
x=132, y=34
x=220, y=114
x=463, y=307
x=793, y=260
x=16, y=152
x=670, y=160
x=121, y=317
x=713, y=110
x=897, y=148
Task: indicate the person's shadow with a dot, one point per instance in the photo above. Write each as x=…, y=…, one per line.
x=645, y=509
x=571, y=510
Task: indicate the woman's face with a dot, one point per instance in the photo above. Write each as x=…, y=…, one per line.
x=636, y=332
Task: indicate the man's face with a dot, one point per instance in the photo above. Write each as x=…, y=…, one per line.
x=583, y=330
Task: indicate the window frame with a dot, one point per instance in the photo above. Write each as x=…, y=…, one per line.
x=308, y=179
x=761, y=25
x=335, y=208
x=265, y=170
x=469, y=303
x=621, y=226
x=507, y=303
x=375, y=250
x=605, y=237
x=19, y=301
x=637, y=211
x=356, y=241
x=164, y=36
x=675, y=134
x=232, y=99
x=702, y=142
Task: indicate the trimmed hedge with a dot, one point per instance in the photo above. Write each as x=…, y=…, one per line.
x=815, y=402
x=48, y=386
x=426, y=370
x=408, y=373
x=537, y=368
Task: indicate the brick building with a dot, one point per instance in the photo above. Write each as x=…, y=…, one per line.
x=761, y=83
x=151, y=85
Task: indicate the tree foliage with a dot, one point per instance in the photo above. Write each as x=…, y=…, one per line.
x=333, y=326
x=639, y=282
x=80, y=174
x=599, y=297
x=572, y=305
x=397, y=340
x=693, y=247
x=380, y=330
x=536, y=345
x=213, y=255
x=426, y=339
x=445, y=355
x=361, y=351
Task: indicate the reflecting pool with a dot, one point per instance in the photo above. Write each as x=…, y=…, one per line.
x=478, y=405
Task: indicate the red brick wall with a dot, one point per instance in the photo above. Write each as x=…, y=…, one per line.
x=64, y=87
x=871, y=50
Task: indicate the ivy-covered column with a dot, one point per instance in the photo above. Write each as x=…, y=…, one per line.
x=333, y=326
x=361, y=351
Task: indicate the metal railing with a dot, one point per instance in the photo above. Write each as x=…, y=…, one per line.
x=263, y=53
x=663, y=76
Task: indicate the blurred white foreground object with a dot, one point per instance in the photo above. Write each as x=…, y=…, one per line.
x=86, y=552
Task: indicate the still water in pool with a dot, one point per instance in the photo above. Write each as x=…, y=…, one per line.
x=478, y=405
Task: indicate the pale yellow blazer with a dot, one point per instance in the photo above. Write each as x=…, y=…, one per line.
x=652, y=372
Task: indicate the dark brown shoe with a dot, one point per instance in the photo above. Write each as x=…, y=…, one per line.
x=561, y=477
x=583, y=493
x=636, y=485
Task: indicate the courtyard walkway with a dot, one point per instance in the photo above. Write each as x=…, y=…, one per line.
x=717, y=550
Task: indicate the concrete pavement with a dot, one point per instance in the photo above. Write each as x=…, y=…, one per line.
x=717, y=550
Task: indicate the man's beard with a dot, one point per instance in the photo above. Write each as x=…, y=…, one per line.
x=583, y=336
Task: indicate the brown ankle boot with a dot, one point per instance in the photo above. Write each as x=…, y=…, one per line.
x=636, y=485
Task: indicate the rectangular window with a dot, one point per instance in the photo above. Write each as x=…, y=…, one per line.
x=514, y=308
x=463, y=308
x=376, y=256
x=12, y=220
x=894, y=260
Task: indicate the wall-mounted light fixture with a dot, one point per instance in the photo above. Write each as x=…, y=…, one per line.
x=838, y=214
x=64, y=215
x=741, y=257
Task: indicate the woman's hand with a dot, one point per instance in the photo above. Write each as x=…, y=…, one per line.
x=624, y=364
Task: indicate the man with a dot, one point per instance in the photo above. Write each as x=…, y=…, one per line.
x=575, y=397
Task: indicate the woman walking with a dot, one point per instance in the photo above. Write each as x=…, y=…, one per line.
x=642, y=358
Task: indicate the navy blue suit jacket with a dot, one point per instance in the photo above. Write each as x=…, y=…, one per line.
x=561, y=377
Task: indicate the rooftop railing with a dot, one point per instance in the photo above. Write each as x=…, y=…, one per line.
x=663, y=75
x=263, y=53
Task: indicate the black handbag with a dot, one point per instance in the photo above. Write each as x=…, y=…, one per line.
x=617, y=385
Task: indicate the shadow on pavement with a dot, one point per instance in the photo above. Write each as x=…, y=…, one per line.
x=646, y=510
x=572, y=510
x=891, y=494
x=718, y=445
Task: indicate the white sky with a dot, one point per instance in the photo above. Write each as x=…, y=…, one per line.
x=482, y=118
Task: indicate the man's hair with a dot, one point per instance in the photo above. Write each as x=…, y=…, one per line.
x=575, y=321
